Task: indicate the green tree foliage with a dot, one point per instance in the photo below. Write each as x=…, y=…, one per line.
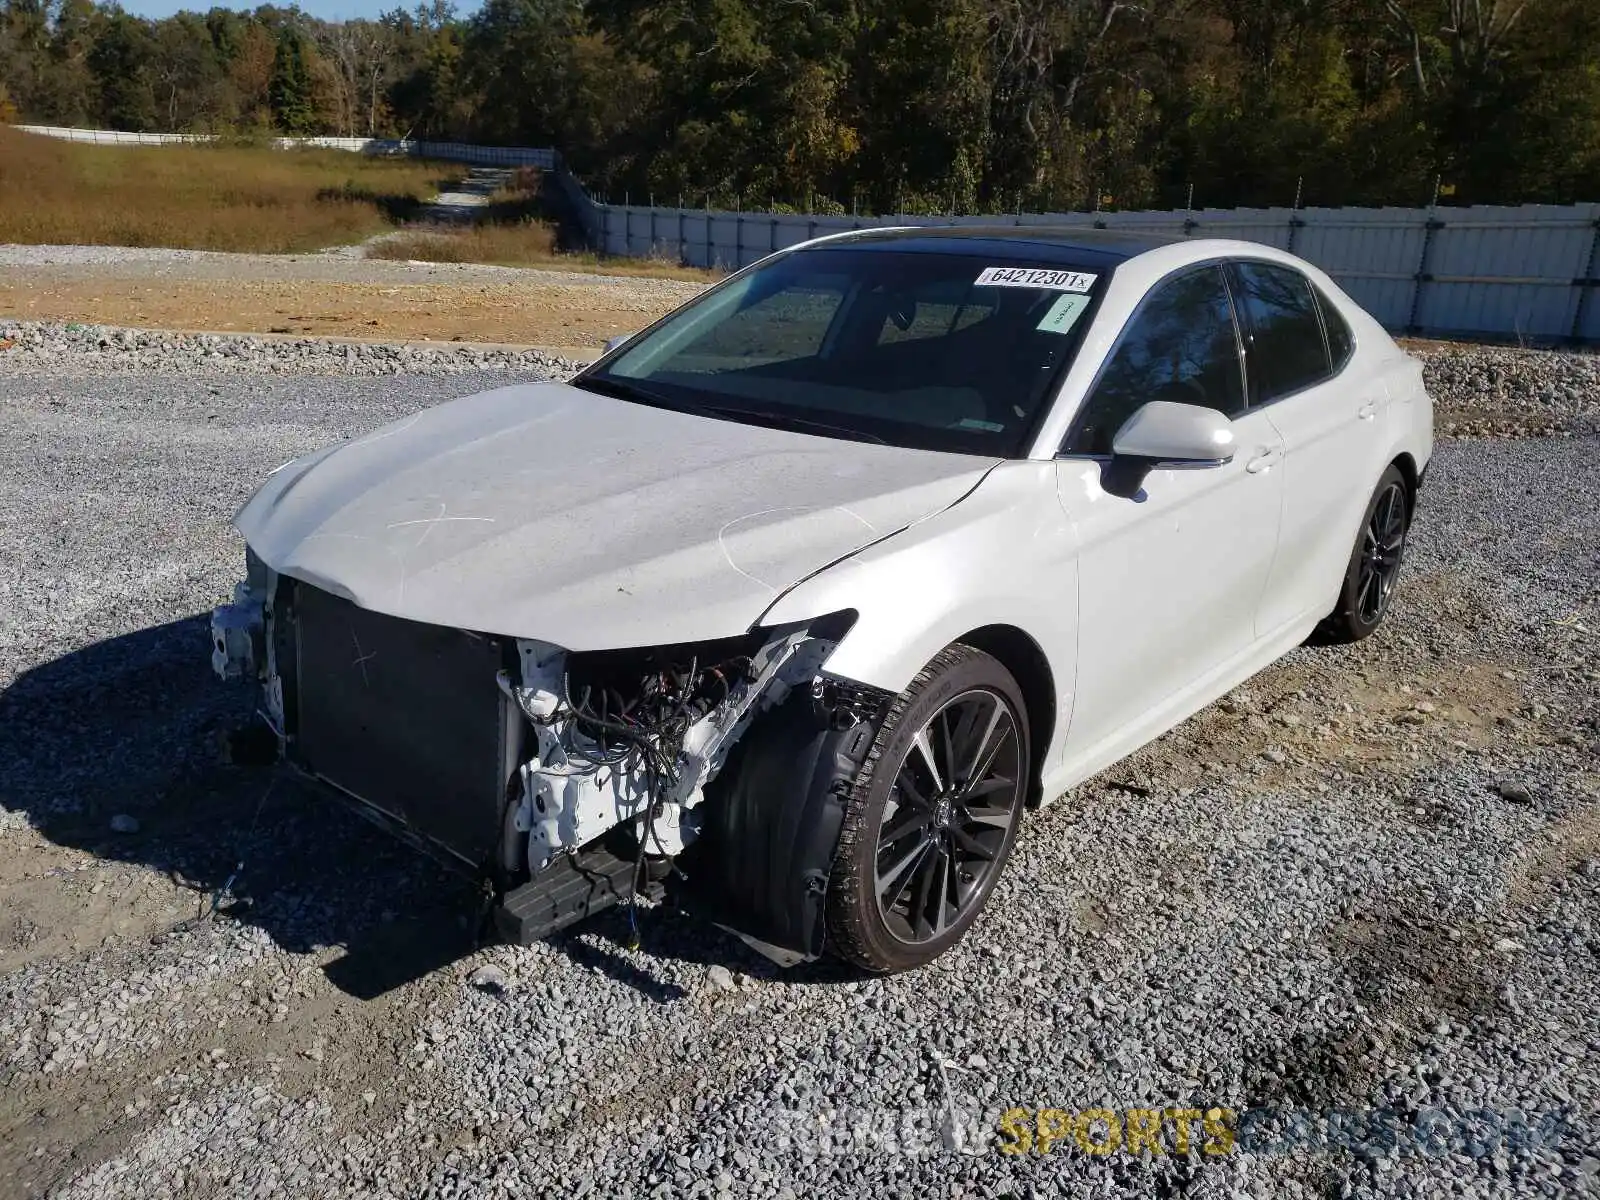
x=926, y=106
x=291, y=90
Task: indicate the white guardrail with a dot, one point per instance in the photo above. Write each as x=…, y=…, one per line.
x=500, y=156
x=1525, y=273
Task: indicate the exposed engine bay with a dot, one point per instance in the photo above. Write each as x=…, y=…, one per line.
x=635, y=736
x=569, y=781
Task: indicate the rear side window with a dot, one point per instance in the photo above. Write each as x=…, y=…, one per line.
x=1340, y=341
x=1181, y=345
x=1283, y=330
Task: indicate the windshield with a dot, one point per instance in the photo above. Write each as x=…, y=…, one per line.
x=934, y=351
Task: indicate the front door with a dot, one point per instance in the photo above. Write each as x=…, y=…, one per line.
x=1170, y=579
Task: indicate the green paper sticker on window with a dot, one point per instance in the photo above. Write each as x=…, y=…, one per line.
x=1064, y=313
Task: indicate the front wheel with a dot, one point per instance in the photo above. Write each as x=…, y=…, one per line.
x=932, y=816
x=1374, y=568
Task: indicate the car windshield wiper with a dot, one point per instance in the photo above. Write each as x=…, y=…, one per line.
x=626, y=389
x=623, y=389
x=785, y=421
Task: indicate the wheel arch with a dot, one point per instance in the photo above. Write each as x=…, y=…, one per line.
x=1018, y=653
x=1407, y=466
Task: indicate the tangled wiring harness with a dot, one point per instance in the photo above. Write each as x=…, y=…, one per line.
x=635, y=721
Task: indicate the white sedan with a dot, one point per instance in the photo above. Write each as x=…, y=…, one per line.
x=791, y=606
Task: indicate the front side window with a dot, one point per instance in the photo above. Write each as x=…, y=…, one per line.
x=1286, y=348
x=1181, y=345
x=931, y=350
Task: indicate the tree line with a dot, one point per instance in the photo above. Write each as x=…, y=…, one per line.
x=884, y=105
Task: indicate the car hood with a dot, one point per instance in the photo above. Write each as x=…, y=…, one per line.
x=546, y=511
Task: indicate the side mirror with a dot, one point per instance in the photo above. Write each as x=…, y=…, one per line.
x=613, y=342
x=1169, y=435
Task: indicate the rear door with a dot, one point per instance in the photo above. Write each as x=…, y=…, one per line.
x=1304, y=377
x=1171, y=577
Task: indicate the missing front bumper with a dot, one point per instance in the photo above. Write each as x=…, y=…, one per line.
x=404, y=717
x=432, y=733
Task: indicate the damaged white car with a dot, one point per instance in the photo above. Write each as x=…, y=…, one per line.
x=794, y=603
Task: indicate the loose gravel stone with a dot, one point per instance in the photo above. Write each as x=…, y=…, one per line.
x=488, y=979
x=1310, y=940
x=1498, y=391
x=36, y=347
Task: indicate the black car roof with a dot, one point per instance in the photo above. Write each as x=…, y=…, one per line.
x=1045, y=243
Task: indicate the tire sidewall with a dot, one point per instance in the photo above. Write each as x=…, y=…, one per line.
x=977, y=670
x=1350, y=598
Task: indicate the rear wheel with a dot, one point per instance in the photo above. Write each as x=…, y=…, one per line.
x=1374, y=568
x=932, y=815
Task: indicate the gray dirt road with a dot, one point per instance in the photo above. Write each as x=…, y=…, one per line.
x=1368, y=884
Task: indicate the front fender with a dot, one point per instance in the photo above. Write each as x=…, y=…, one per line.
x=1005, y=555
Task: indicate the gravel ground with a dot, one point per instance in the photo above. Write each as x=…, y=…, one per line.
x=1365, y=884
x=1484, y=391
x=37, y=348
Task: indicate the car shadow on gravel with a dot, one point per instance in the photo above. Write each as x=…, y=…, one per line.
x=688, y=938
x=133, y=727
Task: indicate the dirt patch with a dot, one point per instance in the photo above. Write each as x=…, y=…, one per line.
x=1372, y=723
x=1560, y=848
x=554, y=315
x=1406, y=968
x=1383, y=717
x=61, y=900
x=52, y=1124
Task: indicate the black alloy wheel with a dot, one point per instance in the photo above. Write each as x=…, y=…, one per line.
x=1373, y=573
x=1383, y=544
x=933, y=814
x=953, y=801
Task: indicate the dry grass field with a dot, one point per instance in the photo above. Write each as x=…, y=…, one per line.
x=221, y=197
x=523, y=244
x=516, y=229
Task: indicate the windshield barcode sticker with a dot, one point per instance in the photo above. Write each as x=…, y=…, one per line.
x=1035, y=277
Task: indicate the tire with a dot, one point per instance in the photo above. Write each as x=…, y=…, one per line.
x=1372, y=574
x=922, y=844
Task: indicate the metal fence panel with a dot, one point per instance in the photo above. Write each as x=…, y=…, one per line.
x=1373, y=253
x=1586, y=309
x=1507, y=270
x=1498, y=272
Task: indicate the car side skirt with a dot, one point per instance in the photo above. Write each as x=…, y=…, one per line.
x=1179, y=708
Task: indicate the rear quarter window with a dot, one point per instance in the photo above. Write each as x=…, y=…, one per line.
x=1285, y=346
x=1341, y=342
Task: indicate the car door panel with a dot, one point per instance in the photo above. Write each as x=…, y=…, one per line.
x=1333, y=436
x=1169, y=582
x=1169, y=578
x=1331, y=417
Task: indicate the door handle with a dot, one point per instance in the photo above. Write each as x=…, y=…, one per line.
x=1265, y=458
x=1368, y=411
